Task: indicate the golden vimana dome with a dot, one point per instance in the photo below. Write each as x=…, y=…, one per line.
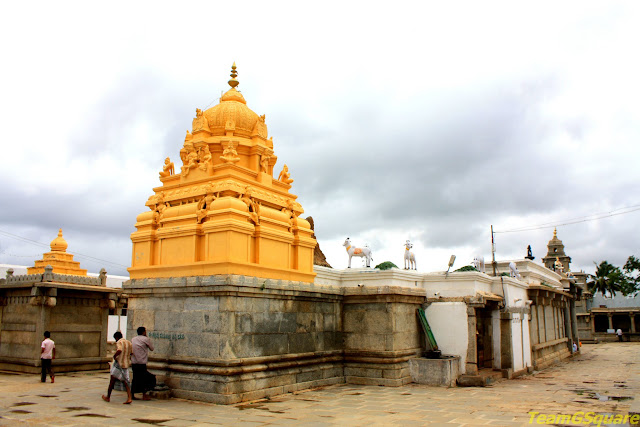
x=232, y=111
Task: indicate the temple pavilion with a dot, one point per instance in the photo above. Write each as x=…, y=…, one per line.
x=55, y=295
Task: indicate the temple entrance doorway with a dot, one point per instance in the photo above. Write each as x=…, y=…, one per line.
x=484, y=338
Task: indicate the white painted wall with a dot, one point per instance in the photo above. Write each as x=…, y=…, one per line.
x=113, y=326
x=526, y=339
x=516, y=341
x=448, y=321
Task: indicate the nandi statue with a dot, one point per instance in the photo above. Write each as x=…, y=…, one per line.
x=361, y=252
x=409, y=257
x=513, y=271
x=478, y=263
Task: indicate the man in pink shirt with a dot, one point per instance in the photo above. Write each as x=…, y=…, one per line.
x=143, y=381
x=47, y=354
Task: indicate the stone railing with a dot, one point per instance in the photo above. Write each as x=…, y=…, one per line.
x=50, y=276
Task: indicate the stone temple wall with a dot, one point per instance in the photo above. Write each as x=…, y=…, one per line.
x=77, y=320
x=227, y=339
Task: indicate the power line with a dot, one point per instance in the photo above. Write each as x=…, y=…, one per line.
x=33, y=242
x=587, y=218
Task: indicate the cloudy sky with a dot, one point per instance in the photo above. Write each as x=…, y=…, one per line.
x=422, y=121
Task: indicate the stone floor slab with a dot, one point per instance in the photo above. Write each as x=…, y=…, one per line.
x=589, y=382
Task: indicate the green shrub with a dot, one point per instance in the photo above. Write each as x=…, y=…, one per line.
x=466, y=268
x=387, y=265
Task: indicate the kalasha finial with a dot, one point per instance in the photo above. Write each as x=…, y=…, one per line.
x=233, y=82
x=555, y=232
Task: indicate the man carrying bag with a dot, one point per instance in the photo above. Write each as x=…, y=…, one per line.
x=120, y=367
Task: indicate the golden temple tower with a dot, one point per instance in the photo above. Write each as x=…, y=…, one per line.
x=223, y=211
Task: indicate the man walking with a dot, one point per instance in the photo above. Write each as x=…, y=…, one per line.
x=143, y=381
x=120, y=366
x=619, y=334
x=47, y=354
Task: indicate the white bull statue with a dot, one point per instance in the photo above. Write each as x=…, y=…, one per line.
x=360, y=252
x=409, y=257
x=513, y=271
x=478, y=263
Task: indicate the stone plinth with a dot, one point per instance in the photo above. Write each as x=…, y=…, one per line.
x=381, y=334
x=227, y=339
x=435, y=372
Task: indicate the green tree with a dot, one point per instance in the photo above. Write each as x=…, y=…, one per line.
x=632, y=272
x=608, y=278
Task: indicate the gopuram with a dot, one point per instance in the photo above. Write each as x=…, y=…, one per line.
x=222, y=211
x=55, y=295
x=222, y=277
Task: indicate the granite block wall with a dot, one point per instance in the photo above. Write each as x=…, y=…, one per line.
x=227, y=339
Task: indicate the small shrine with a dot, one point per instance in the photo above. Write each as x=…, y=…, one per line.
x=223, y=211
x=55, y=295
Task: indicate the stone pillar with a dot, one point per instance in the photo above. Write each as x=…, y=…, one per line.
x=593, y=324
x=572, y=309
x=610, y=316
x=633, y=323
x=506, y=351
x=472, y=350
x=567, y=327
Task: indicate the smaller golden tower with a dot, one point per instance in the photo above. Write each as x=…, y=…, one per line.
x=61, y=261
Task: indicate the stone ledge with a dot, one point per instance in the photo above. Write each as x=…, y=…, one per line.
x=385, y=382
x=245, y=361
x=546, y=344
x=229, y=399
x=231, y=284
x=435, y=372
x=243, y=366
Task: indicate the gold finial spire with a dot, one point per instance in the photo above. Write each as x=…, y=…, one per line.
x=555, y=232
x=233, y=82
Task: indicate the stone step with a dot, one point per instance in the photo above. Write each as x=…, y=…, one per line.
x=483, y=379
x=159, y=394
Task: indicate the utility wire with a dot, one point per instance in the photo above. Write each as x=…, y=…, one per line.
x=588, y=218
x=33, y=242
x=573, y=219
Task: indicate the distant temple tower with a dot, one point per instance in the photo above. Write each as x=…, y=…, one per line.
x=61, y=261
x=556, y=250
x=223, y=211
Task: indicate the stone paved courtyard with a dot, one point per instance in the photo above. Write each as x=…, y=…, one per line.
x=594, y=381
